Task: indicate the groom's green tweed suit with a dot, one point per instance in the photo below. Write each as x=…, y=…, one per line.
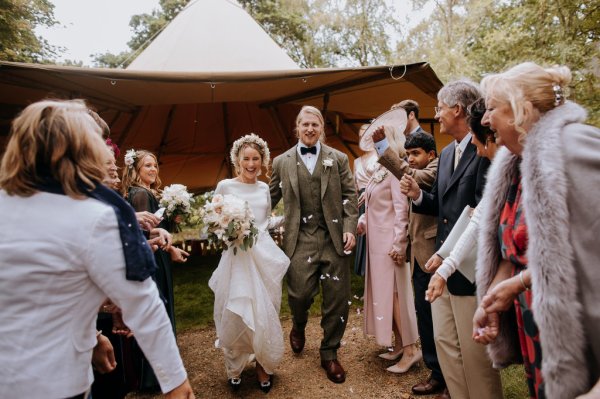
x=319, y=208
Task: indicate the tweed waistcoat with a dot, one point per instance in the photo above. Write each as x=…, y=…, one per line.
x=309, y=187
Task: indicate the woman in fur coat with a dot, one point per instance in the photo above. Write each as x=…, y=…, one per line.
x=537, y=238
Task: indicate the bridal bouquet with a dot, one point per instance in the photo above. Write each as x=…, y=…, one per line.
x=177, y=203
x=230, y=221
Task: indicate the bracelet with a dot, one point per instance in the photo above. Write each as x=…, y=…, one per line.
x=523, y=281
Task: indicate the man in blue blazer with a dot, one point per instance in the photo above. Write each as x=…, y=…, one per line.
x=460, y=180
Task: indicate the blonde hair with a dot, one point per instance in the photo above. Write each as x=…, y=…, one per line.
x=527, y=82
x=309, y=109
x=55, y=139
x=253, y=141
x=131, y=173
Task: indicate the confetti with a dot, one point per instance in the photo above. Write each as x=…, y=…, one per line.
x=342, y=319
x=379, y=318
x=343, y=343
x=349, y=303
x=327, y=274
x=375, y=303
x=298, y=163
x=355, y=296
x=309, y=260
x=358, y=311
x=347, y=252
x=304, y=220
x=335, y=220
x=345, y=202
x=354, y=329
x=336, y=278
x=280, y=184
x=351, y=390
x=322, y=277
x=310, y=216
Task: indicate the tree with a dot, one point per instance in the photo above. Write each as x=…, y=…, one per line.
x=493, y=36
x=18, y=41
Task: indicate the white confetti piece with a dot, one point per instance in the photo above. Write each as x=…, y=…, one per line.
x=349, y=303
x=327, y=274
x=310, y=216
x=217, y=343
x=334, y=220
x=355, y=296
x=304, y=220
x=336, y=278
x=354, y=329
x=280, y=184
x=298, y=163
x=342, y=319
x=390, y=349
x=343, y=343
x=309, y=260
x=358, y=311
x=322, y=277
x=351, y=390
x=347, y=252
x=375, y=303
x=345, y=202
x=379, y=318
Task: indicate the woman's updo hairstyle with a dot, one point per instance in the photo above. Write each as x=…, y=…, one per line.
x=545, y=88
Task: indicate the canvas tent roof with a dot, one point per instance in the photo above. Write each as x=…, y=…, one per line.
x=236, y=42
x=190, y=119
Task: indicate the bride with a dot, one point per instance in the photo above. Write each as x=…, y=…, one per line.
x=247, y=284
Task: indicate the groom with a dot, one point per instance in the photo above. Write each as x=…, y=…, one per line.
x=321, y=212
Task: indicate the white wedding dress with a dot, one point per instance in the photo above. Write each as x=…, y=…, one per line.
x=247, y=289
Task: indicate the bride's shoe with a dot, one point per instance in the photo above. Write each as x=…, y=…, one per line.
x=391, y=355
x=267, y=385
x=235, y=383
x=403, y=368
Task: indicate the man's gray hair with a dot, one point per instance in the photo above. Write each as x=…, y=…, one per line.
x=461, y=92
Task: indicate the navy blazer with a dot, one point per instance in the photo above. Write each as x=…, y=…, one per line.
x=450, y=193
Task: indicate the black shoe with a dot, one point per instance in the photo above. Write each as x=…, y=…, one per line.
x=235, y=383
x=267, y=385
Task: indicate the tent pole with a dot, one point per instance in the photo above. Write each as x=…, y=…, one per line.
x=279, y=126
x=228, y=141
x=127, y=129
x=163, y=140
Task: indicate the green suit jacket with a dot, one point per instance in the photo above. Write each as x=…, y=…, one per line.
x=338, y=196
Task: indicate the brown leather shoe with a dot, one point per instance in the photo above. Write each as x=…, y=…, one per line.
x=428, y=387
x=297, y=340
x=444, y=395
x=335, y=371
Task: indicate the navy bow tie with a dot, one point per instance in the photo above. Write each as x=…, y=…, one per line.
x=306, y=150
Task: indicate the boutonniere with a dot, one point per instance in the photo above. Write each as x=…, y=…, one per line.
x=328, y=163
x=379, y=175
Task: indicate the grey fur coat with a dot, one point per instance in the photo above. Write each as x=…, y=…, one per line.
x=561, y=190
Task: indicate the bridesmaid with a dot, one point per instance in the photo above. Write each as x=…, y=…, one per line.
x=363, y=169
x=140, y=186
x=388, y=286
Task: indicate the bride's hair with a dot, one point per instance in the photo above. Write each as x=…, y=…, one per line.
x=254, y=141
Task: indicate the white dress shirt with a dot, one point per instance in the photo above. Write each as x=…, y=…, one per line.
x=59, y=260
x=310, y=160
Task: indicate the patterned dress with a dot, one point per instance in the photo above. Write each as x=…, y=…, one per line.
x=513, y=238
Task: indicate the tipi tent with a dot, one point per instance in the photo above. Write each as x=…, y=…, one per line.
x=190, y=117
x=213, y=35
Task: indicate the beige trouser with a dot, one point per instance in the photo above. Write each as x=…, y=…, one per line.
x=466, y=367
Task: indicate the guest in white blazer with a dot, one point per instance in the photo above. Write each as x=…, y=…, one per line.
x=66, y=244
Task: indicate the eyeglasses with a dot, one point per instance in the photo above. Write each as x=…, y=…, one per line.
x=439, y=109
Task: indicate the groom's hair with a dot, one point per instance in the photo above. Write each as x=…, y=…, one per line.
x=309, y=109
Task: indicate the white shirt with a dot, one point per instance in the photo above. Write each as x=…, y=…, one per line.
x=310, y=160
x=59, y=259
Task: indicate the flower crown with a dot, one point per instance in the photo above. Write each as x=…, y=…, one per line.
x=130, y=157
x=250, y=139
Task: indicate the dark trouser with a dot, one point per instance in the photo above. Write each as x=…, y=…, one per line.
x=328, y=270
x=425, y=323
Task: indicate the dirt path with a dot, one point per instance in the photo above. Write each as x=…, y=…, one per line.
x=299, y=376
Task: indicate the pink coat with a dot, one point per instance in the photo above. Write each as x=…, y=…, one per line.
x=386, y=222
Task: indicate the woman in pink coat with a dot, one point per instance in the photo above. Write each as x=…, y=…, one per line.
x=389, y=299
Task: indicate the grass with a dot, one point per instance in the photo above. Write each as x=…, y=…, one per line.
x=194, y=309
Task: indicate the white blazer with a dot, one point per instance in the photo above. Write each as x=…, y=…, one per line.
x=59, y=259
